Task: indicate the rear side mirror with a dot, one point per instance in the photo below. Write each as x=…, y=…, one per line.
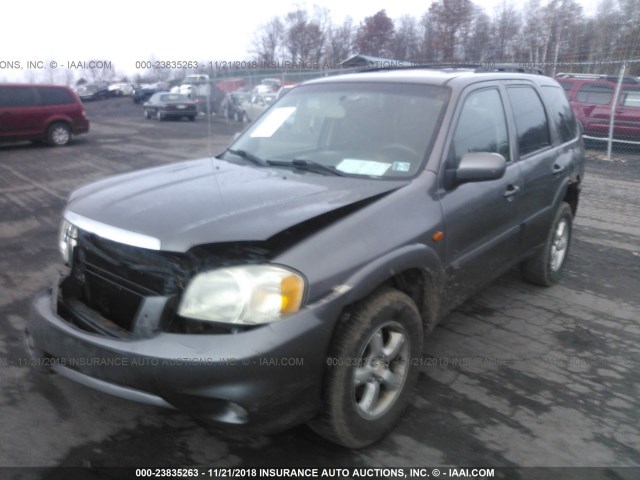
x=480, y=166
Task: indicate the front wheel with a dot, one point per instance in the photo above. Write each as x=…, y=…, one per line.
x=547, y=266
x=59, y=134
x=159, y=116
x=371, y=370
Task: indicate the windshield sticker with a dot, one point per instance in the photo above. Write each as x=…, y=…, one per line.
x=363, y=167
x=275, y=118
x=401, y=166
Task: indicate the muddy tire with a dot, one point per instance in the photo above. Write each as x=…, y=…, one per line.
x=371, y=369
x=547, y=266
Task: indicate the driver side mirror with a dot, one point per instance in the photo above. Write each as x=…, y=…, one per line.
x=480, y=167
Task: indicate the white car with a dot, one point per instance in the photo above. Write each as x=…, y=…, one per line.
x=121, y=89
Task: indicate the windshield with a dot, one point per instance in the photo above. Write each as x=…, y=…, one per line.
x=369, y=129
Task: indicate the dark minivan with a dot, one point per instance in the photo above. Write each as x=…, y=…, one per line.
x=50, y=113
x=293, y=277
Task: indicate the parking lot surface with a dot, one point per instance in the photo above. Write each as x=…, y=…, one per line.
x=518, y=376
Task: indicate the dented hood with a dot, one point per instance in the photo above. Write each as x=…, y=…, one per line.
x=210, y=201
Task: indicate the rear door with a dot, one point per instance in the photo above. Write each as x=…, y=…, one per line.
x=481, y=218
x=541, y=165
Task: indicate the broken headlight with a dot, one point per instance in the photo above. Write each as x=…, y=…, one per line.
x=67, y=240
x=249, y=295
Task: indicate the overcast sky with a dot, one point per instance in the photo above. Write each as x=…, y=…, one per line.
x=124, y=32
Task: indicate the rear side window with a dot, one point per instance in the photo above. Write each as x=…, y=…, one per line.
x=531, y=120
x=595, y=94
x=17, y=97
x=55, y=96
x=482, y=127
x=631, y=98
x=560, y=112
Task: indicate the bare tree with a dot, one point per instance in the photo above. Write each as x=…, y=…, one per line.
x=340, y=42
x=451, y=22
x=268, y=41
x=375, y=35
x=506, y=25
x=479, y=40
x=304, y=38
x=406, y=41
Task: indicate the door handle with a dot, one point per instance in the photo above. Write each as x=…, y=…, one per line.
x=558, y=169
x=511, y=191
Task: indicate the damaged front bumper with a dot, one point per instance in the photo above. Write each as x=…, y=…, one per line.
x=268, y=377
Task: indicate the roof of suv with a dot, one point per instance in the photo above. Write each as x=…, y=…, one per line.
x=441, y=76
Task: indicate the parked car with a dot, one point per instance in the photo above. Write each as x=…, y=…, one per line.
x=94, y=91
x=170, y=105
x=591, y=98
x=142, y=93
x=235, y=104
x=257, y=104
x=48, y=113
x=293, y=278
x=121, y=89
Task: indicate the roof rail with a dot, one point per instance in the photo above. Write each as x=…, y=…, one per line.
x=473, y=67
x=597, y=76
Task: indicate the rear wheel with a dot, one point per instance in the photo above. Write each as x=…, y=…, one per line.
x=547, y=266
x=59, y=134
x=371, y=370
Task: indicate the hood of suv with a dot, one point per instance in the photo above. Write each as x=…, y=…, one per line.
x=212, y=201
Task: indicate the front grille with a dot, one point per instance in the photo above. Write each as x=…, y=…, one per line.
x=113, y=279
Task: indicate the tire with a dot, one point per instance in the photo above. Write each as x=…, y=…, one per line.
x=59, y=134
x=192, y=118
x=159, y=116
x=147, y=114
x=371, y=370
x=547, y=266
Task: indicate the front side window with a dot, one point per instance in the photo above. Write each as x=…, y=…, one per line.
x=352, y=128
x=531, y=120
x=54, y=96
x=481, y=127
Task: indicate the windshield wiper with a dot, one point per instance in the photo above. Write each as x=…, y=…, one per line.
x=248, y=156
x=306, y=165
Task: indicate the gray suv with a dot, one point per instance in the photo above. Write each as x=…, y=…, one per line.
x=293, y=278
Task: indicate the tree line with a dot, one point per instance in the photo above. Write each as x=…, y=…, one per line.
x=549, y=33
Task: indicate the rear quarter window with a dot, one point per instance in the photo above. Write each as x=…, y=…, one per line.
x=561, y=116
x=55, y=96
x=631, y=98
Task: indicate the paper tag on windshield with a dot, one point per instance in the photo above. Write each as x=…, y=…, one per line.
x=363, y=167
x=275, y=118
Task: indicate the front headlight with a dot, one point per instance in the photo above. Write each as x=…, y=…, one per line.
x=67, y=240
x=248, y=294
